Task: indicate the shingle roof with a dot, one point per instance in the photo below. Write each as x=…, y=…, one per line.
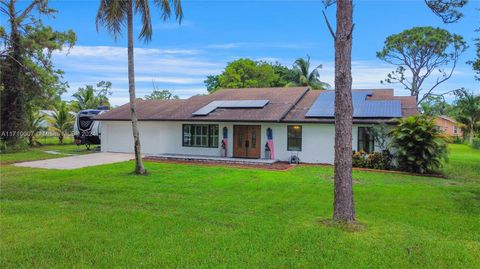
x=447, y=118
x=146, y=110
x=281, y=100
x=285, y=104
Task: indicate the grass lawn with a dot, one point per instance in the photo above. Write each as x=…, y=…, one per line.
x=53, y=140
x=463, y=163
x=189, y=216
x=38, y=153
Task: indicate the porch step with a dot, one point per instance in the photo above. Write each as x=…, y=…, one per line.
x=201, y=158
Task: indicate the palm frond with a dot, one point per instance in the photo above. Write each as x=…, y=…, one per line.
x=142, y=6
x=112, y=14
x=166, y=10
x=302, y=66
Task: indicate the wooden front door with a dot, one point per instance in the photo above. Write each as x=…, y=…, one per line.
x=246, y=141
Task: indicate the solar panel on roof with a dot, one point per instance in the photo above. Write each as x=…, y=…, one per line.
x=324, y=106
x=230, y=104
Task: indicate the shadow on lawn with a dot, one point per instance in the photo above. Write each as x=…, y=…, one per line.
x=344, y=226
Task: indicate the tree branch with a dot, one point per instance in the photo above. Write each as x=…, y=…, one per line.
x=3, y=10
x=329, y=26
x=439, y=82
x=351, y=31
x=27, y=10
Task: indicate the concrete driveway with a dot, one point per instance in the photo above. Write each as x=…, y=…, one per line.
x=79, y=161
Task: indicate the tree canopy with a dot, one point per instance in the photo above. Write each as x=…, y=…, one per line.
x=476, y=63
x=447, y=10
x=61, y=121
x=247, y=73
x=307, y=76
x=435, y=105
x=28, y=76
x=161, y=95
x=418, y=53
x=467, y=112
x=91, y=98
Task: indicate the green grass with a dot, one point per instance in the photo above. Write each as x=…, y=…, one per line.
x=463, y=163
x=38, y=153
x=53, y=140
x=189, y=216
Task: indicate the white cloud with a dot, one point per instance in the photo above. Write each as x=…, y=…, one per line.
x=114, y=52
x=263, y=45
x=171, y=69
x=268, y=59
x=224, y=46
x=150, y=79
x=365, y=74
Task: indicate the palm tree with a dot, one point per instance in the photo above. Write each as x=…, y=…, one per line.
x=84, y=99
x=90, y=98
x=113, y=14
x=307, y=78
x=34, y=124
x=467, y=112
x=61, y=121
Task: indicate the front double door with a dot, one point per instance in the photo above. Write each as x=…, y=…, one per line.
x=246, y=141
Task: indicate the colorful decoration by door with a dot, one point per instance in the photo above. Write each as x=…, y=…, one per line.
x=225, y=140
x=270, y=143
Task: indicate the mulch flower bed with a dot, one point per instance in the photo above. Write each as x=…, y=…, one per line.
x=279, y=166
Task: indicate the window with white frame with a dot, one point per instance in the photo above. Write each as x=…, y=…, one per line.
x=200, y=135
x=294, y=138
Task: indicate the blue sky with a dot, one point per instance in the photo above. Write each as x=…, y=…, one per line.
x=216, y=32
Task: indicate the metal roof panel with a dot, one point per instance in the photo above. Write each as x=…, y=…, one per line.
x=229, y=104
x=324, y=106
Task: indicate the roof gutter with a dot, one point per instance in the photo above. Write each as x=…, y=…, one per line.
x=293, y=105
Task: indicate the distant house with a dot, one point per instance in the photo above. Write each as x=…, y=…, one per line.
x=449, y=126
x=267, y=123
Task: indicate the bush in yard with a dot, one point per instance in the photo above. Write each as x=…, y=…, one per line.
x=374, y=160
x=6, y=147
x=359, y=159
x=379, y=160
x=476, y=143
x=458, y=140
x=419, y=144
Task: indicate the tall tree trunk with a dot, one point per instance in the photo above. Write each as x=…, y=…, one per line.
x=343, y=206
x=139, y=168
x=13, y=96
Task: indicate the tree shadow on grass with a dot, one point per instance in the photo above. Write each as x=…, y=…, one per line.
x=342, y=225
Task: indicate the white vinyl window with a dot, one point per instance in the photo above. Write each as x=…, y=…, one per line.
x=200, y=135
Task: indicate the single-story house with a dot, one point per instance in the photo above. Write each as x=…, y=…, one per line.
x=262, y=123
x=449, y=126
